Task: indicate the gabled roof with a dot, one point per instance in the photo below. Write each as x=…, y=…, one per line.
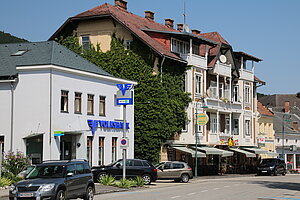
x=42, y=53
x=246, y=56
x=263, y=110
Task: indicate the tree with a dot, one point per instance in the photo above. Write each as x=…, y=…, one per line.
x=159, y=104
x=8, y=38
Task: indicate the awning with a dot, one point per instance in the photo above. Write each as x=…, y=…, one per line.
x=271, y=153
x=33, y=135
x=191, y=151
x=247, y=153
x=256, y=150
x=215, y=151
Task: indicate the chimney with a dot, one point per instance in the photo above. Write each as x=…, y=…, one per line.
x=295, y=126
x=196, y=32
x=286, y=106
x=121, y=4
x=180, y=27
x=169, y=23
x=149, y=15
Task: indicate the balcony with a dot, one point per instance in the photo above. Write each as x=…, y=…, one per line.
x=246, y=75
x=194, y=60
x=223, y=70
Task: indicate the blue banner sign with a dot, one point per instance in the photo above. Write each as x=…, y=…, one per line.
x=94, y=124
x=124, y=95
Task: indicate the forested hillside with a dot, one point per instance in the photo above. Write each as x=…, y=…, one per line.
x=8, y=38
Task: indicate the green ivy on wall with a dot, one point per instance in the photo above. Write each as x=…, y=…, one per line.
x=159, y=110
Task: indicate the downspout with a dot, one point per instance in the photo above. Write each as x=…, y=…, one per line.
x=161, y=65
x=50, y=113
x=11, y=116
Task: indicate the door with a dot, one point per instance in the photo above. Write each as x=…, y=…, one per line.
x=134, y=168
x=167, y=171
x=68, y=147
x=71, y=181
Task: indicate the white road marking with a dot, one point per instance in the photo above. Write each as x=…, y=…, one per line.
x=216, y=188
x=191, y=193
x=204, y=190
x=175, y=197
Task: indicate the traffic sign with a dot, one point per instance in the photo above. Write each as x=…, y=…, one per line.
x=124, y=143
x=202, y=119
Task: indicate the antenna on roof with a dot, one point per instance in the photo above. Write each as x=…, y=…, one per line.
x=185, y=26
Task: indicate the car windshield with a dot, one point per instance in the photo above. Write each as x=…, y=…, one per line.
x=267, y=162
x=51, y=171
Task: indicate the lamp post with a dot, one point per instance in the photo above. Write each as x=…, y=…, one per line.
x=284, y=119
x=196, y=135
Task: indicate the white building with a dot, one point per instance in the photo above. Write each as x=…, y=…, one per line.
x=46, y=89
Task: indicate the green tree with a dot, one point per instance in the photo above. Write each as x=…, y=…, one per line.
x=8, y=38
x=159, y=104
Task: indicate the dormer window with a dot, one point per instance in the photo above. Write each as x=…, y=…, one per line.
x=179, y=46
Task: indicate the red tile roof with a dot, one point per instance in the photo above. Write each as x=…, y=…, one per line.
x=263, y=110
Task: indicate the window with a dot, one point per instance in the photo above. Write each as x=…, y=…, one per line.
x=114, y=149
x=178, y=46
x=128, y=44
x=221, y=90
x=213, y=123
x=227, y=91
x=101, y=151
x=89, y=149
x=235, y=93
x=195, y=49
x=102, y=105
x=79, y=169
x=184, y=128
x=64, y=101
x=77, y=103
x=227, y=125
x=278, y=140
x=213, y=89
x=85, y=42
x=178, y=166
x=247, y=127
x=90, y=104
x=247, y=94
x=235, y=129
x=198, y=83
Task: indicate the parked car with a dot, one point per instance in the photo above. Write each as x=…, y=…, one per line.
x=25, y=172
x=134, y=168
x=56, y=180
x=179, y=171
x=271, y=166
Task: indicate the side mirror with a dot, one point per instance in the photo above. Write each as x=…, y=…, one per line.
x=70, y=174
x=161, y=168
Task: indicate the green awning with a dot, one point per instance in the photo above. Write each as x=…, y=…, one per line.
x=256, y=150
x=247, y=153
x=215, y=151
x=191, y=151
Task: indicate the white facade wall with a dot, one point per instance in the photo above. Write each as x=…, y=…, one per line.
x=37, y=111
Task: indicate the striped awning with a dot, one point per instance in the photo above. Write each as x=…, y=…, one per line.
x=215, y=151
x=256, y=150
x=247, y=153
x=191, y=151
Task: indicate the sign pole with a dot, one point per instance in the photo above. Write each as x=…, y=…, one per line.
x=124, y=136
x=196, y=134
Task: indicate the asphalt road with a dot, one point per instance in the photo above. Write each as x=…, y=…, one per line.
x=236, y=188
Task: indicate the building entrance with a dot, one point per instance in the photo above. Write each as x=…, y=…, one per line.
x=34, y=149
x=68, y=147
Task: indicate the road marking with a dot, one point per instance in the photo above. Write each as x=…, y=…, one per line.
x=191, y=193
x=175, y=197
x=216, y=188
x=204, y=190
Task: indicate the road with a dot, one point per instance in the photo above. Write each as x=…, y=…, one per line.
x=237, y=188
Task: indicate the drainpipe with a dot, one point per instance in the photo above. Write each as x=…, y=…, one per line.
x=161, y=65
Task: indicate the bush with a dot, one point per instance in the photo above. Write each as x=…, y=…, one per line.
x=5, y=182
x=139, y=181
x=124, y=183
x=13, y=164
x=107, y=180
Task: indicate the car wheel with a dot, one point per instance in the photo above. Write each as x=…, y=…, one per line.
x=147, y=179
x=100, y=176
x=185, y=178
x=89, y=194
x=60, y=195
x=283, y=174
x=275, y=172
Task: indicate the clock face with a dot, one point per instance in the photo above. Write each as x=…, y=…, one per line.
x=223, y=59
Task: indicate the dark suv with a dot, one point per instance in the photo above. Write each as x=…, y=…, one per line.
x=53, y=180
x=134, y=168
x=272, y=166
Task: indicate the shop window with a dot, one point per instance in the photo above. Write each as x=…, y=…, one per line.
x=90, y=104
x=77, y=103
x=101, y=151
x=86, y=44
x=247, y=127
x=102, y=105
x=114, y=149
x=64, y=101
x=89, y=148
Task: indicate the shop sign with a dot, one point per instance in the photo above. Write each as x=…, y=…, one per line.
x=94, y=124
x=124, y=94
x=59, y=133
x=262, y=139
x=202, y=119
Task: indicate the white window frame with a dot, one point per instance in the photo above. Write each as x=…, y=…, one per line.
x=235, y=130
x=213, y=123
x=247, y=94
x=101, y=150
x=227, y=125
x=213, y=89
x=247, y=127
x=86, y=42
x=235, y=94
x=64, y=101
x=179, y=46
x=198, y=84
x=221, y=90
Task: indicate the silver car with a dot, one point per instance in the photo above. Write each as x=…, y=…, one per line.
x=179, y=171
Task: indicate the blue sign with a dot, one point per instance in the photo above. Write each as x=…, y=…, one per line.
x=94, y=124
x=124, y=95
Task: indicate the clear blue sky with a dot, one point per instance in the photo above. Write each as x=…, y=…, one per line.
x=268, y=29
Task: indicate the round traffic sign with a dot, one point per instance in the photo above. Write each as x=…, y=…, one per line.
x=202, y=119
x=123, y=142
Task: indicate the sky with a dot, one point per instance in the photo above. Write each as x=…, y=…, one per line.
x=267, y=29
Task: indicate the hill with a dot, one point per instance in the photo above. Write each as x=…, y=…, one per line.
x=8, y=38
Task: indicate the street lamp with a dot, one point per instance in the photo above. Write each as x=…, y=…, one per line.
x=285, y=118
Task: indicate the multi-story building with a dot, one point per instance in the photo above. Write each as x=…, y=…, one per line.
x=266, y=133
x=286, y=109
x=57, y=105
x=221, y=82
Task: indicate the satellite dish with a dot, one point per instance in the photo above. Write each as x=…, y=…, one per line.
x=186, y=28
x=223, y=59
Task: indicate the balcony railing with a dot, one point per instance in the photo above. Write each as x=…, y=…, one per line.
x=223, y=70
x=195, y=60
x=246, y=75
